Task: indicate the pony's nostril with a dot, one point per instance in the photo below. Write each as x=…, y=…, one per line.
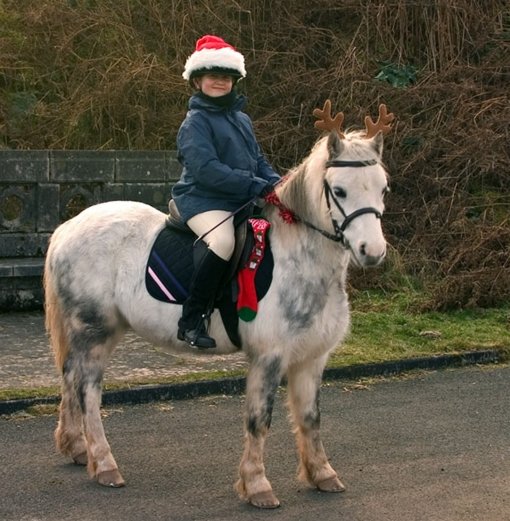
x=363, y=248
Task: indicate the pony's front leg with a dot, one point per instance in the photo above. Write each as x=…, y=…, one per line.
x=303, y=389
x=263, y=379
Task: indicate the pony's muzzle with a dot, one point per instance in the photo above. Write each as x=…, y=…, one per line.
x=370, y=255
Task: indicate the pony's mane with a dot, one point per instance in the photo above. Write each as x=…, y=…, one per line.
x=303, y=190
x=304, y=182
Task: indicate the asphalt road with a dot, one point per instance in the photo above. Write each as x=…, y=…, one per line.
x=427, y=447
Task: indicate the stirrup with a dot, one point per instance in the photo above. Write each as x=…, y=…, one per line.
x=197, y=337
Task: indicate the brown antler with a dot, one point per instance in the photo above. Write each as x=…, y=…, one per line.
x=382, y=124
x=326, y=122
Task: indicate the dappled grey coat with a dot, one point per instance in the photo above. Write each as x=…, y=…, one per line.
x=223, y=164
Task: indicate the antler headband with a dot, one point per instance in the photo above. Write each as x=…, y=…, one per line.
x=326, y=122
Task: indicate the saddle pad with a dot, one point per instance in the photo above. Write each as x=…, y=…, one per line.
x=170, y=267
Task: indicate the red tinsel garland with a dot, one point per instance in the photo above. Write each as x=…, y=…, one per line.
x=286, y=214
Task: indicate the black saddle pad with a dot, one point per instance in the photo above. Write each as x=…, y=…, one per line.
x=170, y=267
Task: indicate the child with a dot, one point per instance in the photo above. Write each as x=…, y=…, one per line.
x=223, y=169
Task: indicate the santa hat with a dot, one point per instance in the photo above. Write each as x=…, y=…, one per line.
x=214, y=55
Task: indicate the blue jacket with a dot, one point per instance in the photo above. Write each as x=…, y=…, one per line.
x=223, y=164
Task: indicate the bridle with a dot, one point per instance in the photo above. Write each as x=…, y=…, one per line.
x=334, y=125
x=339, y=235
x=339, y=229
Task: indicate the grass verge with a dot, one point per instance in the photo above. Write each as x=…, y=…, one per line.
x=384, y=328
x=390, y=327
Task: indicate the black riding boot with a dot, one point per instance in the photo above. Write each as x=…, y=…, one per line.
x=195, y=310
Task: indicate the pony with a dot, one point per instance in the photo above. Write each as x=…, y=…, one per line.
x=323, y=216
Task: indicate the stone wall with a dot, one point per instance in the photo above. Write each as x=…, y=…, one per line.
x=39, y=189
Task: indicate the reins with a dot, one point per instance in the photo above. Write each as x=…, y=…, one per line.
x=229, y=216
x=253, y=200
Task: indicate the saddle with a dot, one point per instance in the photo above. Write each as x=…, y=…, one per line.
x=242, y=240
x=176, y=250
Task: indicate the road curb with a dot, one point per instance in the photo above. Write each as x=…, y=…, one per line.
x=232, y=386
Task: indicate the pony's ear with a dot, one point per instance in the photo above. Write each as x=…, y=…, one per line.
x=335, y=145
x=377, y=143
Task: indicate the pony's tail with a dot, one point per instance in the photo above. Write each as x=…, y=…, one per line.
x=55, y=320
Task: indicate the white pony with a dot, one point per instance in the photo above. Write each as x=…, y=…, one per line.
x=94, y=283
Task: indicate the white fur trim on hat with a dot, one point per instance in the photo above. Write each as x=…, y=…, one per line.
x=225, y=58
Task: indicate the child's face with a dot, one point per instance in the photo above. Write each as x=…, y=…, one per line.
x=215, y=85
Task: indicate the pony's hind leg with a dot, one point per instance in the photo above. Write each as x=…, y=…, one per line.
x=69, y=436
x=92, y=337
x=262, y=383
x=303, y=390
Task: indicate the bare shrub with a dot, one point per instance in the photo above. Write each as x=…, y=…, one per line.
x=90, y=75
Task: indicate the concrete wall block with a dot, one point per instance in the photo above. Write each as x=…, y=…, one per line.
x=113, y=192
x=28, y=267
x=5, y=268
x=174, y=168
x=23, y=244
x=82, y=166
x=154, y=194
x=24, y=166
x=74, y=198
x=17, y=207
x=48, y=207
x=21, y=293
x=141, y=166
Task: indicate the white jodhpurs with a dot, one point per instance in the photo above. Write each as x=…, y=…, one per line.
x=221, y=240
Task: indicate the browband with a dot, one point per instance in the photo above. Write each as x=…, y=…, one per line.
x=339, y=163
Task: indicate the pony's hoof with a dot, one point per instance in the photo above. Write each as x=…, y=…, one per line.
x=80, y=459
x=111, y=478
x=331, y=485
x=264, y=500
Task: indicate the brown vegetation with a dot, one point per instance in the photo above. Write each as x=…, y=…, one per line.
x=93, y=74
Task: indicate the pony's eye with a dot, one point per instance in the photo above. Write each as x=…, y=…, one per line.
x=340, y=192
x=386, y=190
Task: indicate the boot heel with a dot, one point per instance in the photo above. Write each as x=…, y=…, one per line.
x=198, y=338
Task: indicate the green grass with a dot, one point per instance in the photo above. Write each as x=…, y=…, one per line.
x=22, y=393
x=49, y=392
x=384, y=327
x=390, y=328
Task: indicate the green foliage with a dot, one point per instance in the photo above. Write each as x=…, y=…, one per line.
x=397, y=75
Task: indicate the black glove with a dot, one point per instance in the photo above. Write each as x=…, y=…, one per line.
x=266, y=190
